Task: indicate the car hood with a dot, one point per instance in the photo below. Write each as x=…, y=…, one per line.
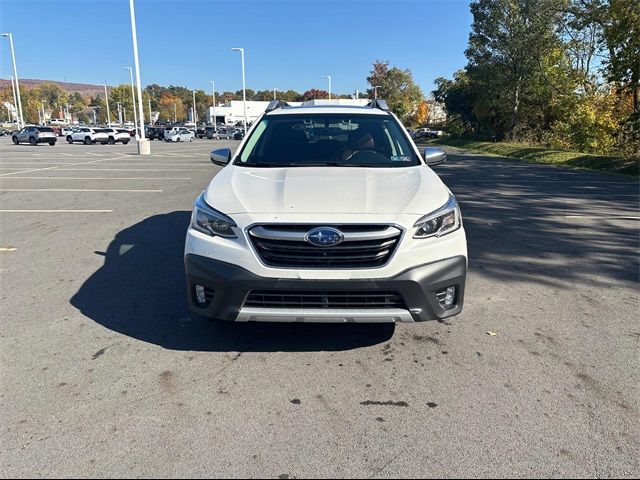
x=326, y=190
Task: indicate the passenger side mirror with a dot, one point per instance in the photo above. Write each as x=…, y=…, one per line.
x=221, y=157
x=434, y=156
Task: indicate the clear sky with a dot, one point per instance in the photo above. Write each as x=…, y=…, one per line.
x=288, y=44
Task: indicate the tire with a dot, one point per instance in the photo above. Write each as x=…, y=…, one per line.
x=190, y=139
x=15, y=140
x=104, y=143
x=87, y=141
x=33, y=142
x=125, y=142
x=51, y=144
x=69, y=140
x=112, y=141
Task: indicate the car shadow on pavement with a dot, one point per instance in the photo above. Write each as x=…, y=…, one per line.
x=140, y=292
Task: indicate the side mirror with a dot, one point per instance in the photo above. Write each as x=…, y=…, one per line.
x=434, y=156
x=221, y=157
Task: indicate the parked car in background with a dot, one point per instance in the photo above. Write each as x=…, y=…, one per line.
x=428, y=133
x=223, y=133
x=118, y=135
x=238, y=134
x=180, y=135
x=201, y=131
x=89, y=136
x=154, y=133
x=34, y=135
x=68, y=131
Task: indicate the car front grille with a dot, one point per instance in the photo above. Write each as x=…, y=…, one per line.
x=364, y=246
x=319, y=299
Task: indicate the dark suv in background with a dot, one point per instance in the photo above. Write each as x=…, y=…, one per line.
x=155, y=133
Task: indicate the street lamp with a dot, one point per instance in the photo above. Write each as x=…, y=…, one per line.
x=274, y=93
x=15, y=101
x=329, y=77
x=195, y=120
x=15, y=75
x=244, y=96
x=106, y=96
x=375, y=91
x=144, y=146
x=133, y=98
x=213, y=98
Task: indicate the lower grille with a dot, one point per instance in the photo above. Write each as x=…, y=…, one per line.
x=319, y=299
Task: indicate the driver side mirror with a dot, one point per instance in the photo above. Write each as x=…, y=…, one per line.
x=434, y=156
x=221, y=157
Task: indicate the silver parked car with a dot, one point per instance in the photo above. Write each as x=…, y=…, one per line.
x=180, y=135
x=35, y=135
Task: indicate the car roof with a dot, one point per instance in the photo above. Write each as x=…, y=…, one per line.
x=324, y=109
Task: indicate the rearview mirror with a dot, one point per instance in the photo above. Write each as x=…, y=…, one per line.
x=221, y=157
x=434, y=156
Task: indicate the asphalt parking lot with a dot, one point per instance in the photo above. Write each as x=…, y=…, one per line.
x=105, y=372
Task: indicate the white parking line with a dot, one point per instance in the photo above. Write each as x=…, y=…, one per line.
x=75, y=190
x=608, y=217
x=125, y=170
x=56, y=211
x=95, y=178
x=52, y=168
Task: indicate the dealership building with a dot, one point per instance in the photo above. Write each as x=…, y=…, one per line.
x=233, y=112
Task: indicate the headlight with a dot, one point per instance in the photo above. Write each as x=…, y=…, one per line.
x=207, y=220
x=444, y=220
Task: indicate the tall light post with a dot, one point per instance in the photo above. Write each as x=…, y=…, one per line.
x=15, y=101
x=133, y=98
x=375, y=91
x=144, y=146
x=213, y=99
x=175, y=113
x=195, y=120
x=150, y=119
x=274, y=93
x=106, y=97
x=329, y=77
x=244, y=96
x=15, y=76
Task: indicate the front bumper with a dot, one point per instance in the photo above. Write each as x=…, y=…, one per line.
x=228, y=285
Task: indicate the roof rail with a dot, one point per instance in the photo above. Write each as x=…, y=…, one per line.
x=378, y=103
x=275, y=104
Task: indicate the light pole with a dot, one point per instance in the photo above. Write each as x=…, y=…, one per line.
x=15, y=101
x=133, y=98
x=195, y=120
x=120, y=114
x=357, y=94
x=15, y=76
x=213, y=98
x=274, y=93
x=244, y=96
x=106, y=97
x=175, y=113
x=329, y=77
x=144, y=146
x=150, y=119
x=375, y=91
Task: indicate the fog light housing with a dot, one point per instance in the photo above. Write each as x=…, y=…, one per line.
x=447, y=297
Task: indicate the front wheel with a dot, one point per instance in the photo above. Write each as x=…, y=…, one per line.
x=69, y=140
x=33, y=142
x=191, y=139
x=52, y=144
x=125, y=142
x=87, y=141
x=15, y=140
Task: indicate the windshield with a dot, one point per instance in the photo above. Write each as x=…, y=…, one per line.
x=327, y=140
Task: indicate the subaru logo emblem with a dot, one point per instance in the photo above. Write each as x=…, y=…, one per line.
x=324, y=237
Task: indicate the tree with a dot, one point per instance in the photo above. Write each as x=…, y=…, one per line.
x=170, y=104
x=397, y=87
x=507, y=44
x=422, y=114
x=314, y=93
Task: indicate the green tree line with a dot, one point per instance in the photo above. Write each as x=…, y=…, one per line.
x=561, y=73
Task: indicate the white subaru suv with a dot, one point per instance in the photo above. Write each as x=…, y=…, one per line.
x=326, y=214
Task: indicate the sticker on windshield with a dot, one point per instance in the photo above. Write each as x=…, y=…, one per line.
x=400, y=158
